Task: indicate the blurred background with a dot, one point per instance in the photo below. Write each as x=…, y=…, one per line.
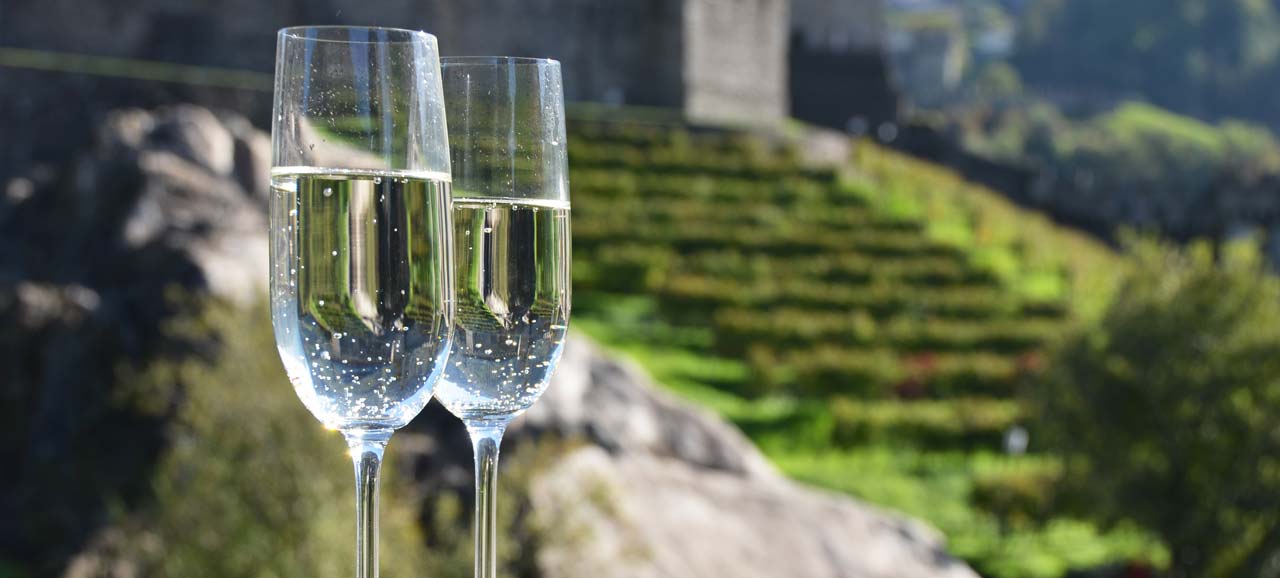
x=862, y=288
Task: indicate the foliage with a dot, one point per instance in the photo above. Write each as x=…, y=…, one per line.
x=1209, y=59
x=940, y=486
x=963, y=423
x=1156, y=146
x=252, y=485
x=8, y=570
x=1152, y=141
x=1168, y=409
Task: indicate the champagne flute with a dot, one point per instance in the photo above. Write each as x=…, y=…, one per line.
x=511, y=234
x=361, y=239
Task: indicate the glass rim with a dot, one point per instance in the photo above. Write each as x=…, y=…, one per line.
x=494, y=60
x=401, y=35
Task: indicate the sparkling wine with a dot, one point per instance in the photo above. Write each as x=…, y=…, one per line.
x=361, y=290
x=512, y=274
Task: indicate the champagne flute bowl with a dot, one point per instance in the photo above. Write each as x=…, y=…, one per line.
x=511, y=233
x=362, y=292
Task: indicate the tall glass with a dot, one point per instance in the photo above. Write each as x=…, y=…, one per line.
x=361, y=240
x=511, y=230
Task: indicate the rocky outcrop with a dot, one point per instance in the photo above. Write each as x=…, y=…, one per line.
x=645, y=516
x=665, y=489
x=89, y=260
x=607, y=401
x=179, y=195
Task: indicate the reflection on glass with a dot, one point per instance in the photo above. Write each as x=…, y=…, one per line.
x=371, y=283
x=513, y=305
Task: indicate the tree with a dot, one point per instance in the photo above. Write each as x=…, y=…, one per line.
x=1167, y=413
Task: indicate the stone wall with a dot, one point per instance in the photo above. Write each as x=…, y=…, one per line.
x=230, y=33
x=716, y=59
x=735, y=60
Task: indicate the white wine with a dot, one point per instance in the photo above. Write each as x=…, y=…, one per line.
x=512, y=274
x=362, y=291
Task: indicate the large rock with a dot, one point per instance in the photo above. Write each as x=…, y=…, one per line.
x=89, y=258
x=646, y=516
x=178, y=194
x=665, y=489
x=203, y=193
x=608, y=401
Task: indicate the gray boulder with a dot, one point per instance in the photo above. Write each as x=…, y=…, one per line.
x=606, y=400
x=204, y=193
x=646, y=516
x=665, y=489
x=90, y=257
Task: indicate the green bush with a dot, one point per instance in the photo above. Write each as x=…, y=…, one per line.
x=962, y=374
x=1169, y=410
x=968, y=423
x=823, y=371
x=1019, y=499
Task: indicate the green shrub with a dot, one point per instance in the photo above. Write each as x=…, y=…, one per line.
x=785, y=425
x=824, y=370
x=967, y=423
x=1019, y=499
x=1167, y=411
x=962, y=374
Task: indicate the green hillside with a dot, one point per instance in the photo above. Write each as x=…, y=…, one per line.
x=867, y=325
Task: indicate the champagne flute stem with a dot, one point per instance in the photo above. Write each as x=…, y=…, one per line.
x=485, y=441
x=366, y=453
